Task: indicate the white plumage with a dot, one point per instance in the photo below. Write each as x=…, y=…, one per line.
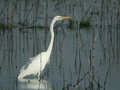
x=38, y=63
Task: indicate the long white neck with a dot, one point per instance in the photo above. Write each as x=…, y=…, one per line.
x=49, y=50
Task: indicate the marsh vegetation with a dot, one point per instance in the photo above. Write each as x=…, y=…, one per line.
x=86, y=50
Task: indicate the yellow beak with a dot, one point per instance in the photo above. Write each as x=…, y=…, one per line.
x=66, y=18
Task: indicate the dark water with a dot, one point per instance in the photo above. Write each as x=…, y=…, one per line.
x=83, y=57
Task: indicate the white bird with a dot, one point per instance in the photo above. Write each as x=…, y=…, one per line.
x=38, y=63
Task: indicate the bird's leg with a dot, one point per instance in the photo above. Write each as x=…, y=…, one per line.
x=38, y=76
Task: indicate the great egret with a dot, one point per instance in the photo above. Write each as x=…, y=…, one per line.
x=38, y=63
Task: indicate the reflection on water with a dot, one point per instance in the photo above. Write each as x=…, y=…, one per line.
x=33, y=85
x=82, y=58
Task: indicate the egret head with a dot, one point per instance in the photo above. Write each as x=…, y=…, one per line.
x=62, y=18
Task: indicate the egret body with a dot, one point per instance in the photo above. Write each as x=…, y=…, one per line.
x=38, y=63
